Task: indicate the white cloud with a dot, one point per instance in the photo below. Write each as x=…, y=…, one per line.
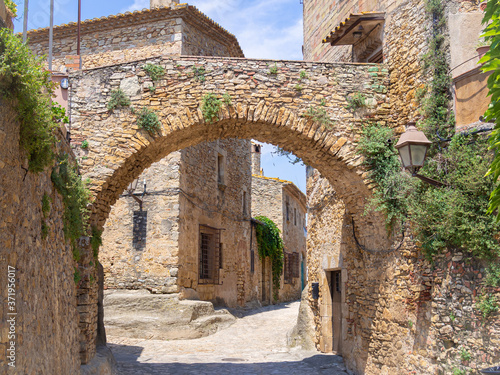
x=137, y=5
x=269, y=29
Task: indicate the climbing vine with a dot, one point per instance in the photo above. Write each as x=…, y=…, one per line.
x=25, y=82
x=76, y=198
x=453, y=217
x=491, y=63
x=270, y=245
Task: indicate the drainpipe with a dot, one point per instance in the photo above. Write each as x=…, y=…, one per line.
x=25, y=23
x=51, y=33
x=78, y=32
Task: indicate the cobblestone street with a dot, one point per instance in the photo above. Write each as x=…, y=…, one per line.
x=255, y=344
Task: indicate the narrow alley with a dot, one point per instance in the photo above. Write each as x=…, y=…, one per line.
x=255, y=344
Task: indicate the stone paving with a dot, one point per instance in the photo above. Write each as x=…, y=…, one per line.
x=255, y=344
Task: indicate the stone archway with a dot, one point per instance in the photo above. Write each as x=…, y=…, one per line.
x=266, y=106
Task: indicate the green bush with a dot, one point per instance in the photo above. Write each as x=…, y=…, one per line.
x=155, y=72
x=271, y=245
x=210, y=108
x=85, y=144
x=199, y=74
x=148, y=120
x=24, y=80
x=487, y=304
x=355, y=101
x=318, y=114
x=273, y=69
x=493, y=275
x=118, y=99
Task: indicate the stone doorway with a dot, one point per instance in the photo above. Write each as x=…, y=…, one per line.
x=336, y=295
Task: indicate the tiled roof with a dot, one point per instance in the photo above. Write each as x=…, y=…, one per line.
x=130, y=18
x=343, y=30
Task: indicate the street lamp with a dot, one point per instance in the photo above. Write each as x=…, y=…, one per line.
x=412, y=148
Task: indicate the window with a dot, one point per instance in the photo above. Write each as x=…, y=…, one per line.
x=245, y=208
x=210, y=255
x=139, y=230
x=292, y=267
x=221, y=265
x=221, y=164
x=252, y=260
x=287, y=205
x=294, y=216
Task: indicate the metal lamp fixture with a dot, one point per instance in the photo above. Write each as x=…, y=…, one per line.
x=412, y=148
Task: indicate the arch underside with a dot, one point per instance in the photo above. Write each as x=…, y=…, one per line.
x=311, y=145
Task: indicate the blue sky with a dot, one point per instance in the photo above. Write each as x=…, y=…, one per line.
x=265, y=29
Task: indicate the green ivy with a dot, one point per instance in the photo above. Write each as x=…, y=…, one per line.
x=118, y=99
x=25, y=81
x=148, y=120
x=210, y=108
x=438, y=119
x=493, y=275
x=155, y=72
x=487, y=304
x=76, y=198
x=45, y=205
x=96, y=242
x=491, y=63
x=271, y=245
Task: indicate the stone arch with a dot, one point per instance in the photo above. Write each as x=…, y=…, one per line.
x=333, y=156
x=265, y=106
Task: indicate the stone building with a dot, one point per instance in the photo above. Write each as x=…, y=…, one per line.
x=357, y=313
x=283, y=203
x=187, y=227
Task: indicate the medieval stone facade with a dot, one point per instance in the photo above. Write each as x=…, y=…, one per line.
x=193, y=228
x=387, y=310
x=283, y=203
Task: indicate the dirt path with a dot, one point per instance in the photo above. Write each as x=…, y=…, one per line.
x=255, y=344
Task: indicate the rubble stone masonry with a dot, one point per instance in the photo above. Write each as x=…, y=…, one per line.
x=41, y=322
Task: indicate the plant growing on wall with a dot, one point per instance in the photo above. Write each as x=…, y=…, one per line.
x=199, y=74
x=148, y=120
x=447, y=218
x=210, y=108
x=273, y=69
x=155, y=72
x=76, y=199
x=96, y=242
x=491, y=63
x=318, y=114
x=27, y=84
x=118, y=99
x=270, y=245
x=11, y=7
x=355, y=101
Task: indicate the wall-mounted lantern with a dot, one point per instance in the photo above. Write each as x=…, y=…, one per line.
x=412, y=148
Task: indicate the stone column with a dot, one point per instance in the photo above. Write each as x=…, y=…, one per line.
x=161, y=3
x=256, y=158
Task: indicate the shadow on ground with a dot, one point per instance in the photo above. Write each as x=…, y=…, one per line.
x=129, y=364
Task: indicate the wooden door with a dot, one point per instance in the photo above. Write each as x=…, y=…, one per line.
x=336, y=288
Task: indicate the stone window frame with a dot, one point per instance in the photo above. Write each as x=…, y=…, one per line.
x=220, y=168
x=209, y=248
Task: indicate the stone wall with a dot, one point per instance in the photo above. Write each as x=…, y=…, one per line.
x=325, y=213
x=181, y=29
x=206, y=201
x=269, y=198
x=5, y=16
x=155, y=265
x=42, y=287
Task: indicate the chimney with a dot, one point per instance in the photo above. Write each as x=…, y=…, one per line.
x=256, y=159
x=162, y=3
